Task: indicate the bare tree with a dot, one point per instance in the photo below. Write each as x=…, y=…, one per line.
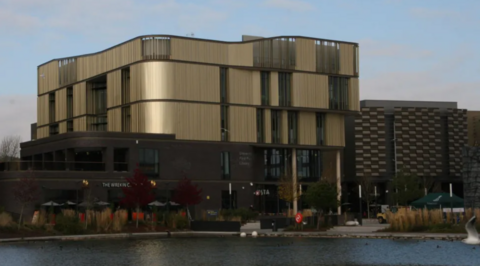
x=9, y=148
x=367, y=186
x=288, y=190
x=25, y=192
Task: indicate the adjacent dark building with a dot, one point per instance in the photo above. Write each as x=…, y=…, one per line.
x=424, y=138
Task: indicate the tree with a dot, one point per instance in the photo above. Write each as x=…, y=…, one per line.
x=139, y=192
x=288, y=190
x=9, y=148
x=407, y=187
x=187, y=194
x=322, y=196
x=25, y=191
x=367, y=187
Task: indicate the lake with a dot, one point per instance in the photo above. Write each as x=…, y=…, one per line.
x=240, y=251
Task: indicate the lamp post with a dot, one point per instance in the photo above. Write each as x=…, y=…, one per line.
x=360, y=202
x=451, y=202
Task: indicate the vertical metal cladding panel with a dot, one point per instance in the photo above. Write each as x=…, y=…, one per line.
x=305, y=50
x=257, y=93
x=346, y=59
x=48, y=77
x=354, y=94
x=80, y=124
x=115, y=120
x=274, y=88
x=79, y=99
x=240, y=54
x=114, y=88
x=284, y=129
x=240, y=86
x=42, y=110
x=268, y=126
x=473, y=126
x=62, y=127
x=309, y=90
x=329, y=165
x=334, y=130
x=61, y=104
x=307, y=128
x=199, y=51
x=242, y=124
x=42, y=132
x=134, y=117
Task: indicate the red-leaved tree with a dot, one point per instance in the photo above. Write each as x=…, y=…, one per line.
x=187, y=194
x=25, y=191
x=139, y=193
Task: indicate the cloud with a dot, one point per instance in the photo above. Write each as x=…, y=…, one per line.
x=17, y=112
x=293, y=5
x=371, y=48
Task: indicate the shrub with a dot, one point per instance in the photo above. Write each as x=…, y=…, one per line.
x=177, y=221
x=120, y=219
x=5, y=220
x=103, y=220
x=68, y=224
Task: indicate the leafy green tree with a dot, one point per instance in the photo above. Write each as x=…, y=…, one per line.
x=322, y=196
x=407, y=187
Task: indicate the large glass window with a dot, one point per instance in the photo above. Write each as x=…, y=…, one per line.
x=276, y=116
x=53, y=129
x=126, y=124
x=224, y=122
x=229, y=201
x=70, y=126
x=51, y=107
x=69, y=102
x=265, y=87
x=276, y=162
x=309, y=165
x=125, y=85
x=223, y=85
x=148, y=161
x=225, y=164
x=284, y=89
x=292, y=127
x=97, y=104
x=260, y=126
x=320, y=121
x=338, y=92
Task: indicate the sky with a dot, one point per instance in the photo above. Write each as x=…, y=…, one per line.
x=409, y=49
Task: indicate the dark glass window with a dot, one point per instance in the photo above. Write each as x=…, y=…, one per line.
x=276, y=125
x=225, y=164
x=284, y=89
x=276, y=162
x=70, y=126
x=223, y=85
x=224, y=122
x=54, y=129
x=260, y=126
x=98, y=104
x=265, y=87
x=69, y=102
x=51, y=107
x=309, y=165
x=148, y=161
x=125, y=85
x=338, y=93
x=320, y=121
x=229, y=201
x=292, y=127
x=126, y=124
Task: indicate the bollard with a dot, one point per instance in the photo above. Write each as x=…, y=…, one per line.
x=274, y=226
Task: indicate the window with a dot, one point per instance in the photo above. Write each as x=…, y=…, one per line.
x=276, y=162
x=125, y=85
x=156, y=48
x=338, y=93
x=69, y=102
x=284, y=89
x=224, y=122
x=120, y=160
x=292, y=127
x=97, y=104
x=70, y=126
x=54, y=129
x=148, y=161
x=229, y=201
x=260, y=126
x=126, y=125
x=357, y=62
x=320, y=121
x=223, y=85
x=275, y=53
x=265, y=87
x=309, y=164
x=225, y=164
x=276, y=125
x=51, y=107
x=327, y=56
x=100, y=98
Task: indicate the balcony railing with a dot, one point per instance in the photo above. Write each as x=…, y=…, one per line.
x=52, y=166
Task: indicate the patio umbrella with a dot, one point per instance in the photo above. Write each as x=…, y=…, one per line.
x=70, y=203
x=51, y=203
x=102, y=203
x=156, y=203
x=173, y=203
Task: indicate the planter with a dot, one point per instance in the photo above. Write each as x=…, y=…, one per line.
x=215, y=226
x=141, y=216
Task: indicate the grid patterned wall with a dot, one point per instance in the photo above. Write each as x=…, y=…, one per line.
x=457, y=139
x=419, y=140
x=370, y=150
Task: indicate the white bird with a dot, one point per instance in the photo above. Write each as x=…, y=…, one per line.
x=472, y=238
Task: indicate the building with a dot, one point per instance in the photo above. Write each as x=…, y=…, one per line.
x=424, y=138
x=471, y=176
x=223, y=114
x=473, y=118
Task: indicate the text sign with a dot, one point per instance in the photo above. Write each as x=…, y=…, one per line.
x=298, y=218
x=115, y=185
x=244, y=158
x=262, y=192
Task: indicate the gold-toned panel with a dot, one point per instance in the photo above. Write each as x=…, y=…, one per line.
x=47, y=77
x=307, y=128
x=115, y=119
x=305, y=50
x=199, y=51
x=240, y=54
x=62, y=127
x=168, y=80
x=473, y=128
x=334, y=130
x=240, y=86
x=114, y=88
x=186, y=120
x=284, y=125
x=80, y=124
x=346, y=59
x=89, y=66
x=309, y=90
x=134, y=120
x=257, y=90
x=79, y=99
x=354, y=95
x=274, y=88
x=268, y=126
x=42, y=110
x=61, y=104
x=42, y=132
x=242, y=124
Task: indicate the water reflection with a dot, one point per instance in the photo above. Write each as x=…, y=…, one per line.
x=241, y=251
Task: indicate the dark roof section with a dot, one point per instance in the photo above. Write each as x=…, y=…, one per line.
x=198, y=39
